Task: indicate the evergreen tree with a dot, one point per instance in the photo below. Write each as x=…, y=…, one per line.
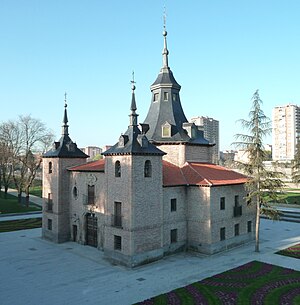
x=296, y=165
x=263, y=185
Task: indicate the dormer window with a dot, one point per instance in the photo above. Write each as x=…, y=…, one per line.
x=117, y=169
x=166, y=96
x=148, y=169
x=166, y=130
x=155, y=97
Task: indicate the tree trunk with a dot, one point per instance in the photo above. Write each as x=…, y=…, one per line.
x=5, y=191
x=19, y=197
x=257, y=226
x=27, y=197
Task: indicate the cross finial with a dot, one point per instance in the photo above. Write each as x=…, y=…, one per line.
x=65, y=99
x=132, y=81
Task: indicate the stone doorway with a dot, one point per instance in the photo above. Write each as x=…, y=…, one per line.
x=91, y=230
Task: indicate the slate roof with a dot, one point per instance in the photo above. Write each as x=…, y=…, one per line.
x=168, y=111
x=133, y=141
x=202, y=174
x=94, y=166
x=65, y=148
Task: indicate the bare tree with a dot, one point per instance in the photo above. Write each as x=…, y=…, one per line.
x=27, y=138
x=5, y=166
x=263, y=184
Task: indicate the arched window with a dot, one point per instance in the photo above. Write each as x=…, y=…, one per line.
x=148, y=169
x=50, y=168
x=117, y=169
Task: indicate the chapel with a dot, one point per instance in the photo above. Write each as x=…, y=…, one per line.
x=155, y=192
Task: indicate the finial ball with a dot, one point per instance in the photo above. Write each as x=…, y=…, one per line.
x=133, y=87
x=165, y=33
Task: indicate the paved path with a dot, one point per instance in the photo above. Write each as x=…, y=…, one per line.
x=34, y=271
x=34, y=199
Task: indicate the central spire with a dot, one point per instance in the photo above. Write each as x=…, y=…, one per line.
x=165, y=51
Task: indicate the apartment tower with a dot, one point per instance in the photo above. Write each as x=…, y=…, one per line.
x=285, y=131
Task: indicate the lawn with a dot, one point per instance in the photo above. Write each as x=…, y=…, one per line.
x=36, y=191
x=253, y=283
x=293, y=251
x=289, y=198
x=11, y=205
x=20, y=224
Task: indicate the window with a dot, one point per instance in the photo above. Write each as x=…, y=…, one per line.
x=222, y=233
x=166, y=130
x=117, y=217
x=117, y=169
x=222, y=203
x=173, y=236
x=173, y=205
x=75, y=192
x=236, y=200
x=50, y=224
x=50, y=203
x=249, y=226
x=174, y=97
x=91, y=194
x=50, y=169
x=248, y=199
x=166, y=96
x=117, y=242
x=155, y=97
x=148, y=169
x=236, y=229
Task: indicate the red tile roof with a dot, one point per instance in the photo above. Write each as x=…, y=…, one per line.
x=95, y=166
x=192, y=173
x=205, y=174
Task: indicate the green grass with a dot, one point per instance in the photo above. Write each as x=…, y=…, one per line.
x=11, y=205
x=36, y=191
x=293, y=251
x=287, y=198
x=290, y=198
x=252, y=283
x=20, y=224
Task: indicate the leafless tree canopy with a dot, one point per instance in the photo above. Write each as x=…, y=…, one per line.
x=22, y=143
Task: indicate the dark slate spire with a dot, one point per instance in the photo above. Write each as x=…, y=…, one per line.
x=134, y=141
x=166, y=119
x=133, y=116
x=65, y=147
x=65, y=127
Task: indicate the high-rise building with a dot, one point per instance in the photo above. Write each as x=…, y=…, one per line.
x=91, y=151
x=286, y=129
x=210, y=128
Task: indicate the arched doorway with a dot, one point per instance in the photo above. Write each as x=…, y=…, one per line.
x=91, y=230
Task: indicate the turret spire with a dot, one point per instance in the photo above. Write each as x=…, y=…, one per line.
x=165, y=51
x=65, y=126
x=133, y=116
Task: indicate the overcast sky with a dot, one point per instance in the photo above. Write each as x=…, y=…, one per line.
x=221, y=51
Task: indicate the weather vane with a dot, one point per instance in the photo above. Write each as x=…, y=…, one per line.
x=165, y=17
x=132, y=81
x=65, y=99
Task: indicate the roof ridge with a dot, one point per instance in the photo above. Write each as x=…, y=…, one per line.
x=205, y=179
